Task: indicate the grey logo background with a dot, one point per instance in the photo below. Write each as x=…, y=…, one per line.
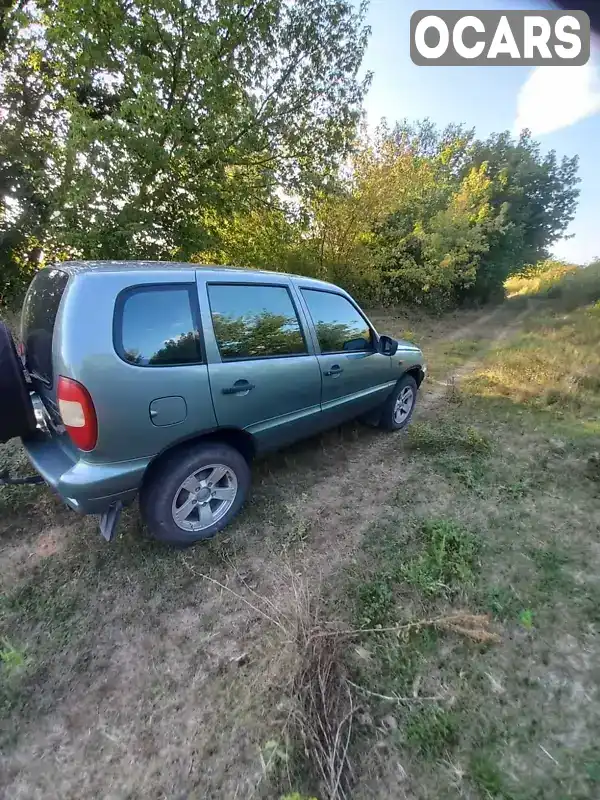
x=490, y=21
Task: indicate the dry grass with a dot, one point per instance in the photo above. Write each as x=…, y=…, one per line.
x=538, y=281
x=566, y=286
x=553, y=365
x=324, y=712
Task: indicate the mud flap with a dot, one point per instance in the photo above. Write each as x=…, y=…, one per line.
x=109, y=521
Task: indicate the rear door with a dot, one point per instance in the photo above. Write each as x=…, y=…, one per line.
x=355, y=376
x=264, y=375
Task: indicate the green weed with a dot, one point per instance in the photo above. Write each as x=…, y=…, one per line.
x=446, y=565
x=375, y=602
x=470, y=471
x=440, y=436
x=13, y=659
x=517, y=490
x=526, y=619
x=484, y=773
x=432, y=731
x=550, y=563
x=502, y=601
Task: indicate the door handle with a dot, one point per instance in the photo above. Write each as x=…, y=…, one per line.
x=239, y=387
x=335, y=370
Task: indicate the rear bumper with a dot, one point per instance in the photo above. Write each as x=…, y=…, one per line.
x=84, y=486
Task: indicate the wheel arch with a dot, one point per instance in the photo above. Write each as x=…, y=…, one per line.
x=235, y=437
x=415, y=372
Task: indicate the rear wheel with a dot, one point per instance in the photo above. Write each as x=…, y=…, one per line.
x=16, y=409
x=399, y=407
x=195, y=493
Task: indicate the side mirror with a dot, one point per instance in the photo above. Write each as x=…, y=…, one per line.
x=387, y=346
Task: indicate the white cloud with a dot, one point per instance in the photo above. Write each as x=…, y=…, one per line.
x=555, y=97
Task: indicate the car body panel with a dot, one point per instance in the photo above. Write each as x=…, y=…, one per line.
x=284, y=403
x=86, y=487
x=143, y=411
x=352, y=382
x=285, y=392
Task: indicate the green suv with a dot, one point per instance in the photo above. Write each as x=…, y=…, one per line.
x=168, y=379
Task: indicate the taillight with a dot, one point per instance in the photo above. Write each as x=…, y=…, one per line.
x=77, y=413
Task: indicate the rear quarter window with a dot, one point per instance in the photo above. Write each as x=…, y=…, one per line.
x=156, y=326
x=38, y=319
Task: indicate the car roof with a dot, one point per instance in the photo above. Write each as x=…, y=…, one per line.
x=81, y=267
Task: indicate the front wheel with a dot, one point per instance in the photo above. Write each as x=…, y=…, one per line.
x=195, y=493
x=399, y=406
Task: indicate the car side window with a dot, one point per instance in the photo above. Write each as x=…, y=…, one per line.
x=254, y=321
x=155, y=326
x=340, y=327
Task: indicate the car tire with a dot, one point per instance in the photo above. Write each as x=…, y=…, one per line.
x=194, y=493
x=398, y=409
x=17, y=417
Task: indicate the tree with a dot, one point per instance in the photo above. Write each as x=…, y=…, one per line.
x=534, y=196
x=129, y=123
x=439, y=217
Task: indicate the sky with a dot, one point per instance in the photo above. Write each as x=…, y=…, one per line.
x=561, y=105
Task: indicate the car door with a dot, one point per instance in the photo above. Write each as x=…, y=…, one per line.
x=355, y=376
x=263, y=371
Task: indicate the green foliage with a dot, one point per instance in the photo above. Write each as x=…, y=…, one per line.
x=575, y=287
x=133, y=129
x=226, y=132
x=534, y=199
x=446, y=564
x=436, y=218
x=526, y=619
x=13, y=660
x=540, y=278
x=486, y=776
x=375, y=601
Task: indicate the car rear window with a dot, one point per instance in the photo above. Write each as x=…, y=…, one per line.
x=156, y=326
x=38, y=318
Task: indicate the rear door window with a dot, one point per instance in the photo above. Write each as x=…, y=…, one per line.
x=255, y=321
x=340, y=326
x=38, y=319
x=155, y=326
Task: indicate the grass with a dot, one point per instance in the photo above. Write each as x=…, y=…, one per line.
x=447, y=561
x=442, y=436
x=485, y=514
x=567, y=286
x=432, y=732
x=12, y=659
